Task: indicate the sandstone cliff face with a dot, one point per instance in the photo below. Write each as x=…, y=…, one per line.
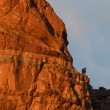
x=36, y=70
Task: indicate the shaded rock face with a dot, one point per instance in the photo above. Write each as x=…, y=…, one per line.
x=36, y=70
x=100, y=98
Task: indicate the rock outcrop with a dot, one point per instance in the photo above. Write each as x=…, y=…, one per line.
x=100, y=98
x=36, y=70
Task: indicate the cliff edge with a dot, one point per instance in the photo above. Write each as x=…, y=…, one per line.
x=36, y=71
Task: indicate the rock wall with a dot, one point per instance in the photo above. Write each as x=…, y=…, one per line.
x=36, y=70
x=100, y=98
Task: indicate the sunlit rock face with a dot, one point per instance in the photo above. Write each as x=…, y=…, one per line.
x=36, y=70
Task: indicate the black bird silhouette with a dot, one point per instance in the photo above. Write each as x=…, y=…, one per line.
x=84, y=70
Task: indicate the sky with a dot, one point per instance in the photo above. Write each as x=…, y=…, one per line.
x=88, y=28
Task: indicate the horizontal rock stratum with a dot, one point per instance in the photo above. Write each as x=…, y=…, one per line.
x=36, y=71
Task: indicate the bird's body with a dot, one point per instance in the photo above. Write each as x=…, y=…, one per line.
x=84, y=70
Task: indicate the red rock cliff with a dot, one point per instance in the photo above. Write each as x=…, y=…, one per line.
x=36, y=70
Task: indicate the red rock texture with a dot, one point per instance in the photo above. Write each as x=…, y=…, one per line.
x=36, y=70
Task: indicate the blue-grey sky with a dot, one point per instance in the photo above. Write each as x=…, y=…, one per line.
x=88, y=26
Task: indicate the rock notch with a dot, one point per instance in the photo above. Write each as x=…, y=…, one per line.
x=36, y=70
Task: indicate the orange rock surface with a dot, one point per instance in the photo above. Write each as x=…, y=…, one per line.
x=36, y=70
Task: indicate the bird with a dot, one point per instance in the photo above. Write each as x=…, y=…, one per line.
x=84, y=70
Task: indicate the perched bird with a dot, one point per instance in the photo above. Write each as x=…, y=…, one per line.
x=84, y=70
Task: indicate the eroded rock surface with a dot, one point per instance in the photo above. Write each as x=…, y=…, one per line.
x=36, y=70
